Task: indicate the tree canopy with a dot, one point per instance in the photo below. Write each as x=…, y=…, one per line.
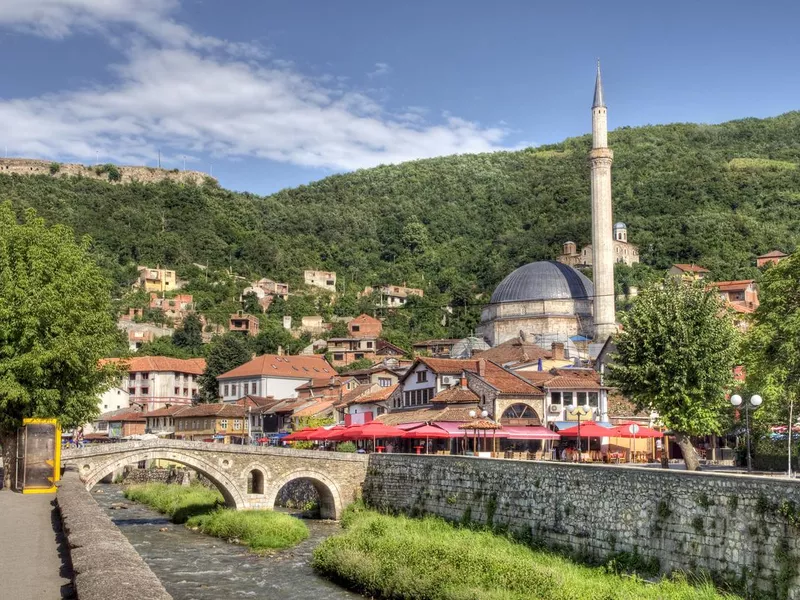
x=675, y=355
x=56, y=323
x=227, y=352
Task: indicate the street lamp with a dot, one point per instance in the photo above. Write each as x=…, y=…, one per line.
x=755, y=402
x=573, y=408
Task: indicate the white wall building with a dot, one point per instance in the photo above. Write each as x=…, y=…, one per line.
x=272, y=375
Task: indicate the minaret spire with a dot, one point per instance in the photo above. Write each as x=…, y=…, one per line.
x=601, y=157
x=598, y=89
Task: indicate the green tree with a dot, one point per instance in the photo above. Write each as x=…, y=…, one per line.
x=56, y=324
x=227, y=352
x=675, y=355
x=772, y=345
x=250, y=304
x=271, y=336
x=189, y=336
x=163, y=346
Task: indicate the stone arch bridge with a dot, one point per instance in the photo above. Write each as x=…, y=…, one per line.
x=336, y=476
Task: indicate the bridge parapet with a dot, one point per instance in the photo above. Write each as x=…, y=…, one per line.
x=247, y=476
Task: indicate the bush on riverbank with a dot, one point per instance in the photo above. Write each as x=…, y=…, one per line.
x=178, y=502
x=260, y=530
x=200, y=507
x=399, y=558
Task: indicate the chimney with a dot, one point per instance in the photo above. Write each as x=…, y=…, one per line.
x=557, y=350
x=482, y=367
x=280, y=350
x=463, y=381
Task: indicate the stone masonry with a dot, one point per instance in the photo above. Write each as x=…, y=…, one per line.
x=336, y=475
x=744, y=530
x=28, y=166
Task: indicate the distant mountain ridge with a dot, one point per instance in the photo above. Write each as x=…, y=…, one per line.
x=714, y=195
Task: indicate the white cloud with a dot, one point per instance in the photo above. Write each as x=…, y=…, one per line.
x=183, y=99
x=381, y=68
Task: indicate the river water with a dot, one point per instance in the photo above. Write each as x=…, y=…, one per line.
x=194, y=566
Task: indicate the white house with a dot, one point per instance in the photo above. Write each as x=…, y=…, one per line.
x=429, y=376
x=273, y=375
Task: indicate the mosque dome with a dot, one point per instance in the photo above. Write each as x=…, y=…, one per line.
x=543, y=280
x=620, y=225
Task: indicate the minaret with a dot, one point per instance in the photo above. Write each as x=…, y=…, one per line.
x=601, y=158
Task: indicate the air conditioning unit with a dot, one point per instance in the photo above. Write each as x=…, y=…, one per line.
x=554, y=409
x=448, y=380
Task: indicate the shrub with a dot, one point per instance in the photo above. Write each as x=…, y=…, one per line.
x=177, y=502
x=346, y=447
x=54, y=168
x=260, y=530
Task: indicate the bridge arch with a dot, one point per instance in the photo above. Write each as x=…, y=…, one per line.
x=100, y=469
x=330, y=496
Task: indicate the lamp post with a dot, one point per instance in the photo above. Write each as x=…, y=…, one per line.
x=573, y=408
x=755, y=402
x=472, y=415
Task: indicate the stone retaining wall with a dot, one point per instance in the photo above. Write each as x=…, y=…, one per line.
x=743, y=530
x=104, y=563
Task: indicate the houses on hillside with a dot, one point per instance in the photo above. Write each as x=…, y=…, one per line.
x=325, y=280
x=157, y=381
x=273, y=375
x=392, y=295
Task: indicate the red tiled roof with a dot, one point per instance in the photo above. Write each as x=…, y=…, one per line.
x=321, y=382
x=691, y=268
x=506, y=382
x=287, y=405
x=124, y=415
x=137, y=364
x=773, y=254
x=314, y=409
x=259, y=401
x=213, y=410
x=732, y=286
x=456, y=395
x=586, y=379
x=453, y=414
x=380, y=395
x=449, y=365
x=443, y=342
x=364, y=318
x=356, y=393
x=514, y=351
x=300, y=367
x=164, y=412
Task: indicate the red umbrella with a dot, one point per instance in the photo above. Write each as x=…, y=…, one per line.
x=300, y=435
x=588, y=429
x=426, y=432
x=624, y=431
x=376, y=429
x=323, y=434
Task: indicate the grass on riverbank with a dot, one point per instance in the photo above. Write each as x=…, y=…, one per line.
x=399, y=558
x=178, y=502
x=200, y=507
x=261, y=530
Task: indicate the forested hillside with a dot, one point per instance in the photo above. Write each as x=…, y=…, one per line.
x=717, y=195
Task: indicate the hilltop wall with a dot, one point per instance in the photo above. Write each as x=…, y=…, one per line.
x=28, y=166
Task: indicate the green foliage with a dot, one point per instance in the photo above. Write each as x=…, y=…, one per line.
x=163, y=346
x=272, y=336
x=772, y=346
x=312, y=422
x=113, y=172
x=429, y=559
x=250, y=304
x=260, y=530
x=54, y=168
x=361, y=363
x=227, y=352
x=453, y=225
x=55, y=324
x=189, y=336
x=346, y=447
x=675, y=355
x=178, y=502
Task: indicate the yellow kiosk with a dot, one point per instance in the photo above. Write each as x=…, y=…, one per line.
x=38, y=465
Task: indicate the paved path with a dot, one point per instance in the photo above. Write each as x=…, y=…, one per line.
x=31, y=546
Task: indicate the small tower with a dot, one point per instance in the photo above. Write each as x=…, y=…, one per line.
x=621, y=232
x=601, y=158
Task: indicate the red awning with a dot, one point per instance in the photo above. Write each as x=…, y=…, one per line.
x=623, y=431
x=530, y=433
x=408, y=426
x=374, y=429
x=452, y=428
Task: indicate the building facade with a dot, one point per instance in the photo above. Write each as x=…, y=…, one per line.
x=156, y=280
x=325, y=280
x=624, y=251
x=273, y=375
x=154, y=381
x=244, y=323
x=225, y=423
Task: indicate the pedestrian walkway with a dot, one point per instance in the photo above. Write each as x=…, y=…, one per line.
x=33, y=555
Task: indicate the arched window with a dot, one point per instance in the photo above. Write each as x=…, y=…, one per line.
x=520, y=414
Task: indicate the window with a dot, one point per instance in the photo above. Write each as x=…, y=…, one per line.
x=422, y=376
x=225, y=393
x=566, y=398
x=185, y=391
x=555, y=398
x=132, y=391
x=145, y=375
x=338, y=356
x=246, y=389
x=145, y=391
x=417, y=397
x=105, y=406
x=177, y=391
x=223, y=423
x=234, y=389
x=369, y=344
x=355, y=328
x=581, y=398
x=594, y=398
x=359, y=355
x=384, y=382
x=237, y=424
x=132, y=377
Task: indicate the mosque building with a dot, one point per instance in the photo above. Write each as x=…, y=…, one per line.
x=550, y=301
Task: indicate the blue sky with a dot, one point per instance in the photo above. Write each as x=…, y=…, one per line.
x=275, y=94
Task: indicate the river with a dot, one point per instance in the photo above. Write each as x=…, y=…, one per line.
x=194, y=566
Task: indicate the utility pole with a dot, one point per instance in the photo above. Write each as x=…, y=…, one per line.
x=184, y=162
x=159, y=158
